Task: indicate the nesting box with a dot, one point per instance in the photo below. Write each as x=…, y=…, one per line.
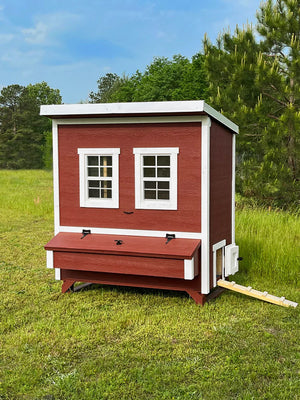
x=143, y=195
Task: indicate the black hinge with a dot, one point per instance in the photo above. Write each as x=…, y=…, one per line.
x=85, y=232
x=169, y=237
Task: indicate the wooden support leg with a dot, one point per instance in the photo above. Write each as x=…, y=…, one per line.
x=67, y=284
x=197, y=296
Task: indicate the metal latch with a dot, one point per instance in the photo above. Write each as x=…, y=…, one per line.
x=169, y=237
x=85, y=232
x=118, y=242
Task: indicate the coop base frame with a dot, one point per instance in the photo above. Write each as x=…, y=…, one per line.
x=69, y=280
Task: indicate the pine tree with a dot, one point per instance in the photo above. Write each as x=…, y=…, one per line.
x=257, y=85
x=279, y=80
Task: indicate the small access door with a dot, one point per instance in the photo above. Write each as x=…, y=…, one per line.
x=231, y=259
x=219, y=261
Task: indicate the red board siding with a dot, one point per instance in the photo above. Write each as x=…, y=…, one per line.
x=131, y=245
x=186, y=136
x=130, y=280
x=220, y=186
x=148, y=266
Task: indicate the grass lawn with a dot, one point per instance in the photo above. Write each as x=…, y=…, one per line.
x=123, y=343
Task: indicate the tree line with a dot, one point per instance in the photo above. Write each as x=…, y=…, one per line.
x=25, y=137
x=252, y=76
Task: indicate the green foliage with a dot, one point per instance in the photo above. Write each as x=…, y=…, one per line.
x=176, y=79
x=121, y=343
x=257, y=85
x=107, y=84
x=22, y=130
x=163, y=80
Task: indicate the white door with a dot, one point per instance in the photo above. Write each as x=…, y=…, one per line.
x=231, y=259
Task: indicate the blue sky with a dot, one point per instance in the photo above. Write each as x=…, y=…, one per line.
x=71, y=43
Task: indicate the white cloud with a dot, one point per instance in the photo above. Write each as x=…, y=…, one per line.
x=36, y=35
x=48, y=26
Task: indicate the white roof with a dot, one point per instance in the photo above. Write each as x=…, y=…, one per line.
x=138, y=108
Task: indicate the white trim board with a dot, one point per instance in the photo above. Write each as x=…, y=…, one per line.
x=205, y=209
x=129, y=120
x=55, y=177
x=233, y=192
x=137, y=108
x=57, y=274
x=189, y=269
x=49, y=258
x=216, y=247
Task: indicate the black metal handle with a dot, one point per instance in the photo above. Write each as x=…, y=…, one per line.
x=128, y=212
x=118, y=242
x=85, y=232
x=169, y=237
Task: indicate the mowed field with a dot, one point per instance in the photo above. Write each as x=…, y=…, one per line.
x=123, y=343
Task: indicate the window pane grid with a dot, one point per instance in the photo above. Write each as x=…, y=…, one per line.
x=158, y=167
x=101, y=189
x=157, y=190
x=99, y=168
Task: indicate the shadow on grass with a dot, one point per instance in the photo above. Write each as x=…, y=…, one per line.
x=131, y=290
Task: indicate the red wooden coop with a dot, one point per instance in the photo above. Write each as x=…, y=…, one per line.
x=143, y=195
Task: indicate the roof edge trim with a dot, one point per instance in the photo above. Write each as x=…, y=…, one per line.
x=135, y=108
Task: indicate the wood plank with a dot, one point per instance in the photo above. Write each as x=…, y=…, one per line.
x=131, y=245
x=265, y=296
x=132, y=280
x=163, y=267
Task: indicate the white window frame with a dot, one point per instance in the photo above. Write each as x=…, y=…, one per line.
x=85, y=201
x=140, y=202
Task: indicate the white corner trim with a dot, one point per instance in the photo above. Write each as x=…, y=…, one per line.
x=57, y=274
x=216, y=247
x=205, y=209
x=233, y=192
x=55, y=177
x=131, y=232
x=49, y=257
x=189, y=269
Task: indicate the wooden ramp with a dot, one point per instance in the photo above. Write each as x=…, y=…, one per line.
x=280, y=301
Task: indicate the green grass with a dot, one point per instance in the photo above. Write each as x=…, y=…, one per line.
x=122, y=343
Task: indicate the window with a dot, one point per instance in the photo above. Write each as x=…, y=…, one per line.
x=156, y=178
x=99, y=177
